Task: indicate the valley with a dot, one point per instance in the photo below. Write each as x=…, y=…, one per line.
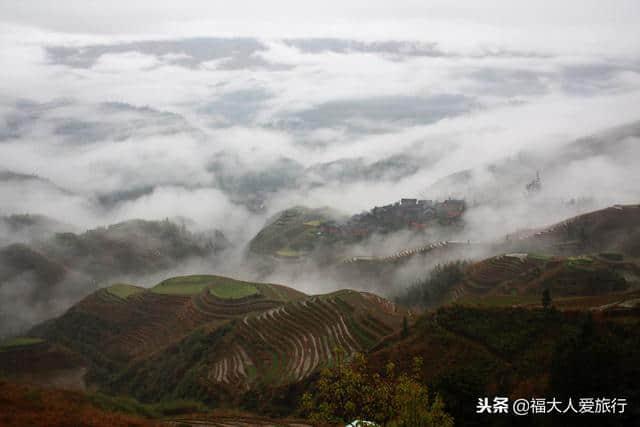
x=226, y=343
x=338, y=213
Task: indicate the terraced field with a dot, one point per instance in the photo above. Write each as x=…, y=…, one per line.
x=518, y=277
x=485, y=277
x=125, y=322
x=287, y=343
x=503, y=267
x=273, y=334
x=602, y=229
x=291, y=234
x=405, y=254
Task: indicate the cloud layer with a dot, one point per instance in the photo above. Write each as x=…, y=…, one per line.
x=148, y=110
x=222, y=114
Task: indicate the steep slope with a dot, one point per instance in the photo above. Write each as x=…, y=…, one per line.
x=33, y=360
x=522, y=352
x=280, y=347
x=615, y=228
x=521, y=274
x=23, y=405
x=291, y=234
x=123, y=322
x=287, y=343
x=517, y=278
x=605, y=235
x=211, y=332
x=385, y=273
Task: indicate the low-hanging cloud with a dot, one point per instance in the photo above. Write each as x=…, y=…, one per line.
x=226, y=129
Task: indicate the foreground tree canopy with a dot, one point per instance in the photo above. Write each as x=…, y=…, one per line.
x=346, y=391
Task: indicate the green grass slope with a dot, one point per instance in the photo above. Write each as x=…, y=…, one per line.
x=224, y=288
x=292, y=233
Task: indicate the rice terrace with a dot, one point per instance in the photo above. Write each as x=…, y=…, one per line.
x=320, y=214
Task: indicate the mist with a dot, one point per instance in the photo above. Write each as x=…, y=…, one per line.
x=220, y=119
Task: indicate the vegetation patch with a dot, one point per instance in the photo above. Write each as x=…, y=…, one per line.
x=19, y=342
x=23, y=405
x=348, y=391
x=232, y=289
x=540, y=257
x=288, y=253
x=185, y=285
x=431, y=290
x=123, y=290
x=487, y=326
x=579, y=262
x=223, y=287
x=292, y=232
x=499, y=300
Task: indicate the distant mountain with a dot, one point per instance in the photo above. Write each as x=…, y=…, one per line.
x=285, y=174
x=8, y=177
x=398, y=48
x=44, y=277
x=130, y=247
x=117, y=121
x=357, y=169
x=26, y=227
x=560, y=167
x=613, y=229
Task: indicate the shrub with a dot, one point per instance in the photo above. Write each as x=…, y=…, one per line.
x=347, y=391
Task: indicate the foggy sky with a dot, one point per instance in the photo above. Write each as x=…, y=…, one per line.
x=188, y=108
x=205, y=110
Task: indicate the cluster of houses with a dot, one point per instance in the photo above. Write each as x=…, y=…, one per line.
x=407, y=213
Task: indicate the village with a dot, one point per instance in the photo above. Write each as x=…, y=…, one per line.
x=413, y=214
